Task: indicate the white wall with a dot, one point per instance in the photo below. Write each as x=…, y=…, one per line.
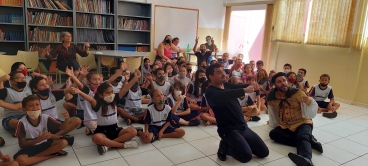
x=249, y=7
x=234, y=2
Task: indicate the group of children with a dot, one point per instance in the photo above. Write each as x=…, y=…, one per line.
x=175, y=95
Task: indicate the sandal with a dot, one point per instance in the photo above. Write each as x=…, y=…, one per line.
x=60, y=153
x=88, y=131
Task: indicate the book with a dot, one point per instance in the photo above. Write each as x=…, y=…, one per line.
x=95, y=6
x=134, y=48
x=99, y=36
x=95, y=21
x=47, y=18
x=11, y=2
x=11, y=18
x=129, y=24
x=50, y=4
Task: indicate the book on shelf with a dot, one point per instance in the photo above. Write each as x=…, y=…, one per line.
x=11, y=18
x=36, y=34
x=11, y=36
x=134, y=48
x=129, y=24
x=12, y=2
x=94, y=21
x=50, y=19
x=41, y=51
x=95, y=36
x=96, y=47
x=49, y=4
x=43, y=67
x=95, y=6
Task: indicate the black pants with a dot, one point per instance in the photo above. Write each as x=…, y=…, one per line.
x=299, y=139
x=241, y=144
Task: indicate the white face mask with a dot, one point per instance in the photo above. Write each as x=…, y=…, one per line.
x=109, y=98
x=177, y=93
x=286, y=71
x=34, y=114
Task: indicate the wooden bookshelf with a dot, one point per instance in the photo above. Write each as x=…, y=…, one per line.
x=12, y=25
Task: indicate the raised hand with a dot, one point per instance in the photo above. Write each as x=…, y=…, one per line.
x=86, y=44
x=124, y=66
x=196, y=40
x=4, y=78
x=50, y=81
x=74, y=90
x=137, y=73
x=69, y=72
x=149, y=76
x=212, y=41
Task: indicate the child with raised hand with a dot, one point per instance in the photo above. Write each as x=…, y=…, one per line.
x=158, y=118
x=104, y=103
x=320, y=93
x=181, y=115
x=34, y=134
x=41, y=87
x=5, y=161
x=170, y=73
x=132, y=111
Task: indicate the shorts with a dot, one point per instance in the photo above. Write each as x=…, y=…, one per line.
x=322, y=104
x=6, y=121
x=33, y=150
x=91, y=125
x=135, y=111
x=111, y=131
x=80, y=114
x=193, y=115
x=155, y=129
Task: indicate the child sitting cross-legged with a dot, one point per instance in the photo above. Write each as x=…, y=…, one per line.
x=34, y=134
x=249, y=108
x=158, y=118
x=108, y=134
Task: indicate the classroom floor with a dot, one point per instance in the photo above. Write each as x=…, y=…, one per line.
x=344, y=139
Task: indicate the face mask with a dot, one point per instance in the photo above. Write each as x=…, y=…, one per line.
x=299, y=75
x=34, y=114
x=189, y=70
x=21, y=84
x=110, y=98
x=118, y=79
x=25, y=72
x=204, y=67
x=286, y=71
x=161, y=102
x=291, y=80
x=44, y=92
x=202, y=80
x=135, y=86
x=203, y=50
x=168, y=41
x=161, y=78
x=182, y=74
x=146, y=64
x=94, y=86
x=208, y=42
x=323, y=85
x=177, y=93
x=239, y=65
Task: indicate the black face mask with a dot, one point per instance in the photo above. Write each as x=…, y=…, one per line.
x=323, y=85
x=204, y=67
x=21, y=84
x=118, y=79
x=202, y=80
x=135, y=85
x=168, y=41
x=189, y=70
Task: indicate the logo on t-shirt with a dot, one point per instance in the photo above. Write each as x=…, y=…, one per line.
x=53, y=101
x=44, y=130
x=165, y=115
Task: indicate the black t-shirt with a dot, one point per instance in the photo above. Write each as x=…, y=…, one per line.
x=225, y=105
x=201, y=57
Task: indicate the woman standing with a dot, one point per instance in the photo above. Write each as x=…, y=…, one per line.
x=165, y=49
x=66, y=53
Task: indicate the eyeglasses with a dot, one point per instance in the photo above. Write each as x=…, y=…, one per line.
x=19, y=78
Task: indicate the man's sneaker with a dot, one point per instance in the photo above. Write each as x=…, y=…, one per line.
x=129, y=122
x=68, y=138
x=102, y=149
x=154, y=138
x=300, y=160
x=330, y=115
x=220, y=153
x=254, y=118
x=194, y=122
x=316, y=145
x=132, y=144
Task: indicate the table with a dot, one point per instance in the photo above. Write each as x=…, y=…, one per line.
x=189, y=54
x=118, y=54
x=2, y=53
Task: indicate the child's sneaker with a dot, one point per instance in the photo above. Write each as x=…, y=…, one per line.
x=194, y=122
x=102, y=149
x=254, y=118
x=132, y=144
x=68, y=138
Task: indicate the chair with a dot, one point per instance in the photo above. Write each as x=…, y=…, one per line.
x=2, y=73
x=58, y=76
x=88, y=60
x=108, y=62
x=6, y=61
x=31, y=59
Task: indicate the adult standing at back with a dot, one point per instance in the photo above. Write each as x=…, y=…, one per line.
x=237, y=139
x=165, y=49
x=66, y=53
x=203, y=53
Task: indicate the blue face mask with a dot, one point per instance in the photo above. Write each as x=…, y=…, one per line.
x=208, y=42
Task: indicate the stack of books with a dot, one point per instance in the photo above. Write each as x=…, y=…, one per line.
x=95, y=6
x=129, y=24
x=51, y=19
x=11, y=18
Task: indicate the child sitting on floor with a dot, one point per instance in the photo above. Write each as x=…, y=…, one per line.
x=249, y=108
x=206, y=112
x=301, y=79
x=108, y=134
x=158, y=120
x=320, y=93
x=34, y=134
x=5, y=160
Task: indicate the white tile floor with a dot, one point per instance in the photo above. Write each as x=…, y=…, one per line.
x=344, y=139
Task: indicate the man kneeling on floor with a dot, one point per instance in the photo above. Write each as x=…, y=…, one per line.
x=291, y=113
x=34, y=134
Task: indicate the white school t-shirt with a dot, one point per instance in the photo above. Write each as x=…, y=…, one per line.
x=117, y=88
x=134, y=99
x=49, y=106
x=109, y=119
x=32, y=132
x=89, y=114
x=14, y=97
x=158, y=118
